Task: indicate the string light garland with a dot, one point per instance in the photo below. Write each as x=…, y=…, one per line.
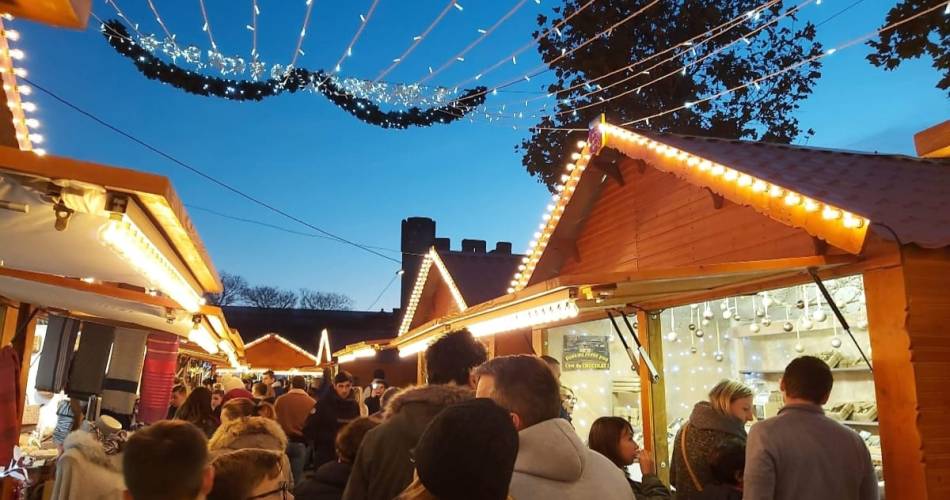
x=23, y=124
x=303, y=33
x=418, y=40
x=459, y=57
x=348, y=52
x=292, y=81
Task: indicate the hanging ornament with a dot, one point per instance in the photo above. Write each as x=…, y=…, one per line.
x=806, y=323
x=836, y=343
x=798, y=341
x=700, y=333
x=862, y=325
x=754, y=328
x=257, y=70
x=787, y=326
x=170, y=48
x=192, y=54
x=819, y=314
x=672, y=336
x=766, y=321
x=149, y=42
x=694, y=306
x=727, y=314
x=705, y=322
x=693, y=350
x=735, y=310
x=277, y=72
x=767, y=300
x=719, y=357
x=707, y=313
x=799, y=348
x=692, y=327
x=724, y=305
x=800, y=304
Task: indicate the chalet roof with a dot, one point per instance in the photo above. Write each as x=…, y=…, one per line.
x=480, y=276
x=303, y=326
x=909, y=195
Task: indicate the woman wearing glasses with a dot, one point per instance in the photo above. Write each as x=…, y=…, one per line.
x=249, y=474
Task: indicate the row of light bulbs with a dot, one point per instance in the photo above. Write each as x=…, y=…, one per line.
x=547, y=313
x=416, y=293
x=25, y=126
x=365, y=352
x=565, y=189
x=746, y=181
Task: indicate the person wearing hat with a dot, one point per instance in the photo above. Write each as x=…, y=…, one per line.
x=467, y=452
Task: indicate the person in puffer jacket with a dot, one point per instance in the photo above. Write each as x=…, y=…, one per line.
x=553, y=463
x=238, y=432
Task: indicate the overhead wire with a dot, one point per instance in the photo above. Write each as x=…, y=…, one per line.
x=461, y=54
x=201, y=173
x=392, y=280
x=416, y=41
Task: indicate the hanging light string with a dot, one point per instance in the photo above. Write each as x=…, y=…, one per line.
x=710, y=35
x=417, y=40
x=121, y=15
x=161, y=23
x=207, y=25
x=791, y=67
x=348, y=52
x=303, y=33
x=255, y=11
x=680, y=70
x=461, y=55
x=512, y=57
x=545, y=67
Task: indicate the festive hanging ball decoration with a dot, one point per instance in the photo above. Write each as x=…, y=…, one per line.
x=819, y=316
x=726, y=314
x=726, y=336
x=862, y=325
x=694, y=306
x=759, y=313
x=767, y=301
x=807, y=324
x=724, y=305
x=766, y=321
x=672, y=336
x=692, y=327
x=754, y=328
x=800, y=304
x=693, y=350
x=705, y=322
x=788, y=326
x=700, y=333
x=719, y=357
x=799, y=348
x=736, y=317
x=836, y=342
x=708, y=314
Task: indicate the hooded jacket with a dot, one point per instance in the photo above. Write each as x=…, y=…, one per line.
x=383, y=466
x=707, y=428
x=252, y=432
x=327, y=483
x=86, y=472
x=553, y=463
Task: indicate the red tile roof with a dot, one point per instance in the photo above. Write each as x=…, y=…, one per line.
x=908, y=195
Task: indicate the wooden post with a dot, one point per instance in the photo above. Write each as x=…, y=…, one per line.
x=908, y=314
x=653, y=396
x=17, y=328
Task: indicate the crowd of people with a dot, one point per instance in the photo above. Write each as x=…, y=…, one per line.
x=482, y=429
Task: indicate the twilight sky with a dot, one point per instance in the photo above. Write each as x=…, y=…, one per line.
x=304, y=155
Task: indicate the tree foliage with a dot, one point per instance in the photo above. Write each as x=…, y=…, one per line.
x=311, y=299
x=926, y=35
x=761, y=112
x=270, y=297
x=232, y=290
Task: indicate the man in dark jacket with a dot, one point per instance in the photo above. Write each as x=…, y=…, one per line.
x=331, y=413
x=383, y=466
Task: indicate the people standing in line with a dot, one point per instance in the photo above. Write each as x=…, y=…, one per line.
x=329, y=415
x=727, y=462
x=242, y=427
x=468, y=451
x=802, y=453
x=552, y=461
x=293, y=409
x=197, y=410
x=383, y=466
x=555, y=367
x=329, y=481
x=261, y=390
x=711, y=422
x=612, y=437
x=249, y=474
x=179, y=394
x=167, y=460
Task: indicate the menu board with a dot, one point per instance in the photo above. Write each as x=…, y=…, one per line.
x=585, y=352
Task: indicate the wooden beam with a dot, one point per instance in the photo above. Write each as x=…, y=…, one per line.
x=653, y=396
x=97, y=288
x=934, y=142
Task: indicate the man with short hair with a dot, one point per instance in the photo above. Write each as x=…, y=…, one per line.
x=801, y=453
x=383, y=466
x=292, y=410
x=269, y=380
x=167, y=460
x=553, y=463
x=555, y=367
x=179, y=395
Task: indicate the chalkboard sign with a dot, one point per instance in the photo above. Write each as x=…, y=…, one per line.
x=585, y=353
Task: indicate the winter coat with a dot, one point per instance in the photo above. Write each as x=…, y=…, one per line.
x=326, y=418
x=251, y=432
x=383, y=467
x=801, y=453
x=86, y=472
x=553, y=463
x=719, y=492
x=327, y=483
x=649, y=488
x=707, y=428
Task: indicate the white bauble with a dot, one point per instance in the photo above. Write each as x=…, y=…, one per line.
x=719, y=357
x=799, y=348
x=807, y=324
x=788, y=326
x=672, y=336
x=836, y=342
x=727, y=314
x=819, y=316
x=700, y=333
x=754, y=328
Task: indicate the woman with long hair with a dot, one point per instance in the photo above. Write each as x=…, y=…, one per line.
x=612, y=437
x=711, y=423
x=197, y=410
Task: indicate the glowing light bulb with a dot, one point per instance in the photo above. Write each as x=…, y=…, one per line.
x=851, y=221
x=20, y=72
x=25, y=89
x=13, y=35
x=581, y=144
x=830, y=213
x=745, y=180
x=37, y=138
x=776, y=191
x=759, y=186
x=28, y=106
x=16, y=54
x=705, y=165
x=575, y=156
x=811, y=205
x=718, y=170
x=570, y=167
x=792, y=199
x=39, y=151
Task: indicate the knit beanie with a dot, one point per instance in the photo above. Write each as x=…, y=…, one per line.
x=468, y=451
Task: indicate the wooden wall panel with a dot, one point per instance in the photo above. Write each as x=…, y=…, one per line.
x=435, y=301
x=515, y=342
x=656, y=220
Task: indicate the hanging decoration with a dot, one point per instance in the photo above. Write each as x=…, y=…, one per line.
x=672, y=335
x=287, y=80
x=835, y=341
x=719, y=356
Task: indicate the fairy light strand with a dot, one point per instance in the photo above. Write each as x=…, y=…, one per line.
x=417, y=40
x=484, y=34
x=207, y=25
x=303, y=33
x=348, y=52
x=255, y=11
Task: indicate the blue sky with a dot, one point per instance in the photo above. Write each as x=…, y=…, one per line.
x=304, y=155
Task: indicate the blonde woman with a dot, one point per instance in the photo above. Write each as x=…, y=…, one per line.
x=712, y=422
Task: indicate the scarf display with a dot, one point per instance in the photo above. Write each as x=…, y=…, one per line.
x=121, y=385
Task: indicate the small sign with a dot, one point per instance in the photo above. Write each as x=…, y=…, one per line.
x=584, y=352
